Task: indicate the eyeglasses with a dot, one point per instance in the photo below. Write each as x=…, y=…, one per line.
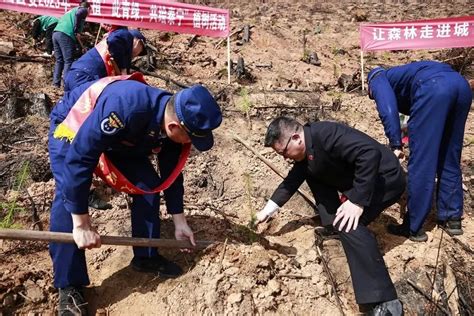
x=286, y=147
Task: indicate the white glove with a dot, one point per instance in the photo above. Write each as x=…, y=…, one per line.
x=269, y=209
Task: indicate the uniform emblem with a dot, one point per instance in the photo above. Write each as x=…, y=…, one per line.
x=111, y=124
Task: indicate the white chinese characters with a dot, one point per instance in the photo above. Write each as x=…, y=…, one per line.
x=421, y=32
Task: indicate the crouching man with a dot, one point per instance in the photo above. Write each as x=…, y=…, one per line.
x=334, y=158
x=110, y=127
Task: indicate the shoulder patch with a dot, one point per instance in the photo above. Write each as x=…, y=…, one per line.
x=111, y=124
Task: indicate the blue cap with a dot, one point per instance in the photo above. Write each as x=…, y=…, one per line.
x=138, y=35
x=199, y=114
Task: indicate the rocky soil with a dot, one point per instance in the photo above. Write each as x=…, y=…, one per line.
x=277, y=269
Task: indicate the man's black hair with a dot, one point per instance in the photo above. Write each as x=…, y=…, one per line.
x=279, y=127
x=84, y=4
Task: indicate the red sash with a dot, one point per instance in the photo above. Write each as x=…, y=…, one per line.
x=105, y=169
x=106, y=57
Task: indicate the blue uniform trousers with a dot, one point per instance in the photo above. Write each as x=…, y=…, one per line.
x=69, y=262
x=440, y=105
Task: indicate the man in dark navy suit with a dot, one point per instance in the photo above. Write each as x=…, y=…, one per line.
x=335, y=159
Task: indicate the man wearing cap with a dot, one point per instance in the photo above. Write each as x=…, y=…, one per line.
x=111, y=57
x=117, y=123
x=438, y=100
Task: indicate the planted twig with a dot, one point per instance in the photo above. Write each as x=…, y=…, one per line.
x=193, y=40
x=441, y=308
x=232, y=34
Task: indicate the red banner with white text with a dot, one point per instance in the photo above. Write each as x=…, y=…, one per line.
x=423, y=34
x=161, y=15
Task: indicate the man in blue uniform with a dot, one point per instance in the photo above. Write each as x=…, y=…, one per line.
x=333, y=158
x=130, y=121
x=438, y=100
x=114, y=58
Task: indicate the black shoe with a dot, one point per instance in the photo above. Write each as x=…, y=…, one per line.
x=96, y=202
x=327, y=232
x=157, y=265
x=72, y=302
x=452, y=226
x=404, y=230
x=389, y=308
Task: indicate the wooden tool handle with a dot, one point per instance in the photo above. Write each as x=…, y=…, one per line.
x=20, y=234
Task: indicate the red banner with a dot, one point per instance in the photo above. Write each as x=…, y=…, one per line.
x=161, y=15
x=423, y=34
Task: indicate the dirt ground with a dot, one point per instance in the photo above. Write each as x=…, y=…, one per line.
x=278, y=269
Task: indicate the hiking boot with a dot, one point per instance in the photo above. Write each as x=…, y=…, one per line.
x=452, y=226
x=72, y=302
x=389, y=308
x=96, y=202
x=404, y=230
x=157, y=265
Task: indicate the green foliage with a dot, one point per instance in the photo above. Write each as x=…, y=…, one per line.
x=245, y=104
x=10, y=208
x=305, y=57
x=252, y=222
x=247, y=234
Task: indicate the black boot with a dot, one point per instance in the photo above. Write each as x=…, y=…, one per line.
x=404, y=230
x=72, y=302
x=158, y=265
x=327, y=232
x=452, y=226
x=389, y=308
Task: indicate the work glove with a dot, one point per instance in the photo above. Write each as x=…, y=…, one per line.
x=267, y=212
x=398, y=152
x=348, y=215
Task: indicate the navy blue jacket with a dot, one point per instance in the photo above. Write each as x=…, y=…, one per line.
x=394, y=92
x=140, y=110
x=120, y=45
